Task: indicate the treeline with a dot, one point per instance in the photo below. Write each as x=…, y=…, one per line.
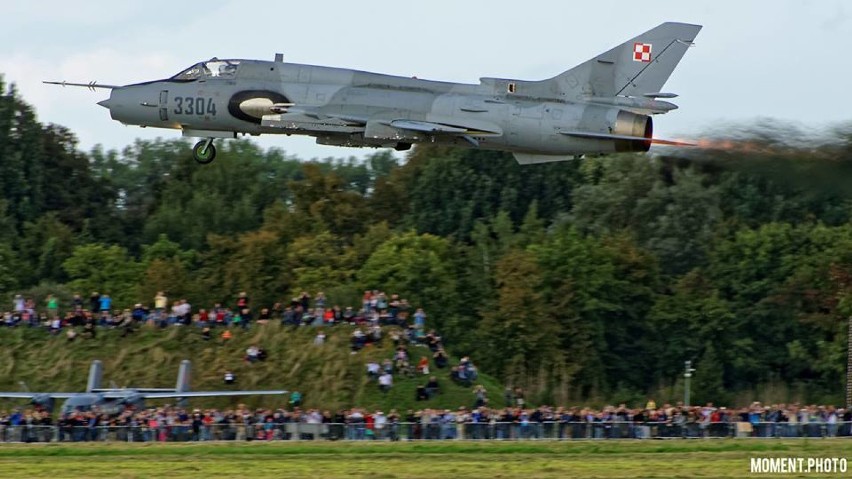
x=593, y=279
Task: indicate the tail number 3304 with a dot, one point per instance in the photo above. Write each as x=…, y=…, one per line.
x=188, y=105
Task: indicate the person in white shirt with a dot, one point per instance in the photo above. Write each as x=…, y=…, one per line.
x=373, y=369
x=379, y=422
x=385, y=382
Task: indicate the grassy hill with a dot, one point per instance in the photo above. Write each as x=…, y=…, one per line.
x=328, y=376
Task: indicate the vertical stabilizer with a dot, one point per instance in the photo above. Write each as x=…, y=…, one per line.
x=182, y=385
x=96, y=372
x=637, y=67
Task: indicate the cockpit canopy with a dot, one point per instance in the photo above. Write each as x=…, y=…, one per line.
x=213, y=68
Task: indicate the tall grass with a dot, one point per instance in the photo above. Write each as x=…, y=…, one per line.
x=328, y=376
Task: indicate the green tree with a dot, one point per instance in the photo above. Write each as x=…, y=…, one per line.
x=417, y=267
x=520, y=337
x=602, y=288
x=709, y=382
x=106, y=269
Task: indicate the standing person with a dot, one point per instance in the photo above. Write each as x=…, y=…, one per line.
x=52, y=306
x=246, y=317
x=18, y=303
x=95, y=302
x=77, y=302
x=242, y=301
x=105, y=303
x=420, y=319
x=160, y=302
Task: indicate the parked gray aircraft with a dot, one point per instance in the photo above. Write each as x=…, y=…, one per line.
x=114, y=400
x=601, y=106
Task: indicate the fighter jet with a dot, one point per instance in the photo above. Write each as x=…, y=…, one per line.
x=601, y=106
x=114, y=400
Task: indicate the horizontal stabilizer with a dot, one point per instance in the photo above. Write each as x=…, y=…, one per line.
x=205, y=394
x=610, y=136
x=133, y=390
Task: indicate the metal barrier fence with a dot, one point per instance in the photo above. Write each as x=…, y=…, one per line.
x=420, y=431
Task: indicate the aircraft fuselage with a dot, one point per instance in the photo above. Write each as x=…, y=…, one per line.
x=353, y=108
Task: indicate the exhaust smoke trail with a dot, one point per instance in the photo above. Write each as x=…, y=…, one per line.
x=781, y=152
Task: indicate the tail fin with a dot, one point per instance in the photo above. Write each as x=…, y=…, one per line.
x=637, y=67
x=182, y=385
x=96, y=372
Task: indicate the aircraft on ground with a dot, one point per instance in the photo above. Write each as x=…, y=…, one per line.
x=114, y=400
x=601, y=106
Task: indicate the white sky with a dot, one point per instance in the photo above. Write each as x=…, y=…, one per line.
x=785, y=59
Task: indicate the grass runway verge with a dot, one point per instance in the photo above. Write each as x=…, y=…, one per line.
x=457, y=460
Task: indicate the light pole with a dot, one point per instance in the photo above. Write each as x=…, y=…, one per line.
x=687, y=374
x=849, y=364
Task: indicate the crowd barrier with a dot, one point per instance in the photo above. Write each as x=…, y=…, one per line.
x=422, y=432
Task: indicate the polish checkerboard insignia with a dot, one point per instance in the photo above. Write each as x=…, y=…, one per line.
x=642, y=52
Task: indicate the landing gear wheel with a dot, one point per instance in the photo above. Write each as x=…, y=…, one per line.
x=204, y=152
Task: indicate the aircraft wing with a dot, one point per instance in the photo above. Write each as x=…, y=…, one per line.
x=206, y=394
x=25, y=395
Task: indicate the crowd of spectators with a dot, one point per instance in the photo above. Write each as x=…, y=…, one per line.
x=416, y=352
x=377, y=309
x=510, y=422
x=378, y=313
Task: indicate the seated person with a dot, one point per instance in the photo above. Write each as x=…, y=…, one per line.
x=421, y=394
x=230, y=378
x=358, y=340
x=55, y=325
x=432, y=387
x=401, y=356
x=89, y=330
x=440, y=358
x=261, y=354
x=423, y=365
x=373, y=369
x=252, y=353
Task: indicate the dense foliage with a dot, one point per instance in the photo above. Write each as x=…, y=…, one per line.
x=588, y=279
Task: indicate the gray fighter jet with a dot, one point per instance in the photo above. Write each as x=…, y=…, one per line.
x=601, y=106
x=114, y=400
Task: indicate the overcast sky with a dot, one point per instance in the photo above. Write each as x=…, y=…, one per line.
x=785, y=59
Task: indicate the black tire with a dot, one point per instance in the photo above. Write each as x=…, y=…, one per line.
x=201, y=156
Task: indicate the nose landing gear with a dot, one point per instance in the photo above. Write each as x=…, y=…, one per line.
x=204, y=152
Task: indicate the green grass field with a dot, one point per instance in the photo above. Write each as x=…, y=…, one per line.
x=603, y=459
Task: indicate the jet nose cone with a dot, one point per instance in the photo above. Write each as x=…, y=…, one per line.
x=104, y=103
